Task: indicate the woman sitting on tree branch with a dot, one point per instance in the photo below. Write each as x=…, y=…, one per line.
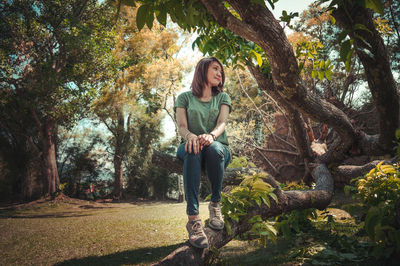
x=201, y=115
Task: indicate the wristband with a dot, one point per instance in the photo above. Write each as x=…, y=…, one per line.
x=213, y=136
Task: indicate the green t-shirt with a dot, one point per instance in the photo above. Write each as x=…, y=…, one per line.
x=202, y=116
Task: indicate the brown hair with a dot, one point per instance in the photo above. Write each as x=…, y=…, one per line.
x=200, y=77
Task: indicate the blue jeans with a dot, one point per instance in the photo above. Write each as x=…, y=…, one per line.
x=215, y=158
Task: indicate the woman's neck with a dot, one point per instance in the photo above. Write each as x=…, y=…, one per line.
x=207, y=92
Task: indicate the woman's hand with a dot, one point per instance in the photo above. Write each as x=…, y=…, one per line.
x=205, y=140
x=192, y=144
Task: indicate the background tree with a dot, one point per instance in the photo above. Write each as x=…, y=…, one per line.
x=52, y=53
x=81, y=159
x=318, y=52
x=130, y=106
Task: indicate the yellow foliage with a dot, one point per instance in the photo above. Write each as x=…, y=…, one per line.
x=382, y=25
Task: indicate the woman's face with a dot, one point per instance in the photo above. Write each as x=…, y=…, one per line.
x=214, y=74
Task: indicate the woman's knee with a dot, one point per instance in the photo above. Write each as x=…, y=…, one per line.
x=215, y=151
x=183, y=155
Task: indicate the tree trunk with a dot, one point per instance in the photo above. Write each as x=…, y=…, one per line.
x=49, y=157
x=118, y=156
x=118, y=173
x=372, y=52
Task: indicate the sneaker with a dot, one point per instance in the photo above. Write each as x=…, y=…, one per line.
x=216, y=220
x=197, y=237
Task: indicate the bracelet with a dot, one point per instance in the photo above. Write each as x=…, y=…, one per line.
x=187, y=135
x=213, y=136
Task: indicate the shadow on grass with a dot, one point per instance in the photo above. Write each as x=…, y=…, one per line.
x=142, y=255
x=269, y=255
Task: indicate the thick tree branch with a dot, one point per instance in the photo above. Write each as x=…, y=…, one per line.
x=227, y=20
x=372, y=52
x=345, y=173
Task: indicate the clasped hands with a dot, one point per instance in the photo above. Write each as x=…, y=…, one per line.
x=196, y=143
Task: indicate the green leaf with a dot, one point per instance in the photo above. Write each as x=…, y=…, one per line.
x=321, y=64
x=314, y=73
x=258, y=58
x=162, y=15
x=301, y=66
x=258, y=201
x=272, y=2
x=348, y=189
x=361, y=27
x=149, y=18
x=234, y=217
x=348, y=59
x=321, y=75
x=328, y=75
x=254, y=219
x=271, y=228
x=265, y=200
x=375, y=5
x=141, y=16
x=345, y=49
x=274, y=197
x=333, y=20
x=327, y=63
x=398, y=133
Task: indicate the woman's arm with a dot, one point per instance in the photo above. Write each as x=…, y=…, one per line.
x=191, y=139
x=207, y=139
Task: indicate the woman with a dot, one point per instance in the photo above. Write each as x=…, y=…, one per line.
x=201, y=115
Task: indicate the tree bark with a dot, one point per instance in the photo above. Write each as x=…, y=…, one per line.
x=118, y=156
x=118, y=174
x=50, y=171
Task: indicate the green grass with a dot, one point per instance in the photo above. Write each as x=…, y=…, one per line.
x=75, y=232
x=79, y=232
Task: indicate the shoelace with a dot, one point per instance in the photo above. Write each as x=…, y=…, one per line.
x=216, y=212
x=196, y=227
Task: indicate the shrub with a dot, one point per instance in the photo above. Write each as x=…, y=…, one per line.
x=379, y=193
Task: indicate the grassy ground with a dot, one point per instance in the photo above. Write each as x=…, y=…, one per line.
x=79, y=232
x=75, y=232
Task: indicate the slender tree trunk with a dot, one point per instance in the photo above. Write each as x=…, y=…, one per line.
x=49, y=157
x=118, y=156
x=118, y=173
